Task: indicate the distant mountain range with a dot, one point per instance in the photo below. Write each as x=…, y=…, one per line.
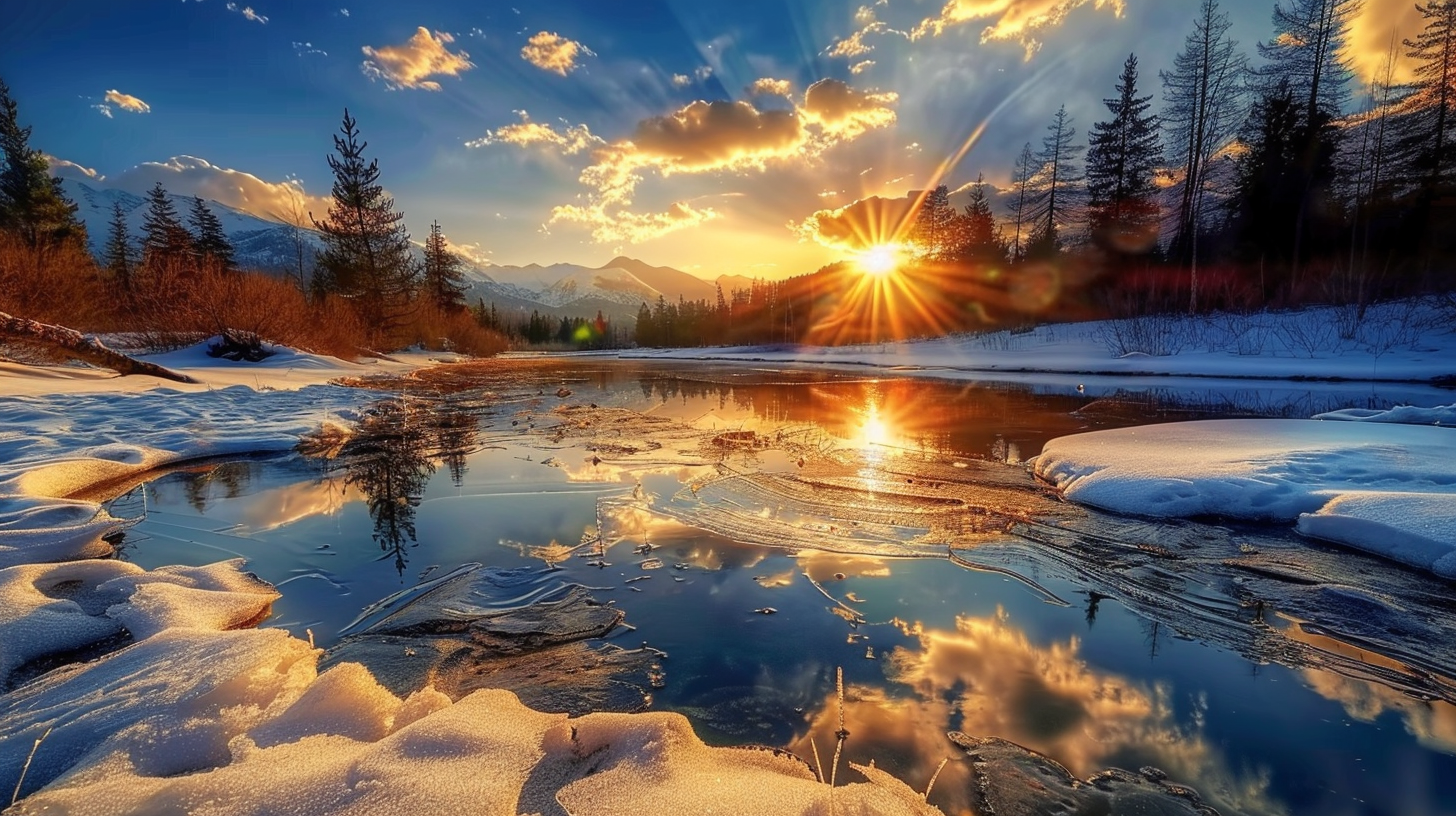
x=617, y=289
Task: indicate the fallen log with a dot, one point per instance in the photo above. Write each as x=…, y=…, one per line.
x=81, y=347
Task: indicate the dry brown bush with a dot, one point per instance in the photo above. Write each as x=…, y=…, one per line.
x=58, y=283
x=439, y=330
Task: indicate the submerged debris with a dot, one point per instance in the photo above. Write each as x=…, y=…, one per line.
x=1010, y=780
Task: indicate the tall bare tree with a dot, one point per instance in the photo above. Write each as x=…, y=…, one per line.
x=1202, y=97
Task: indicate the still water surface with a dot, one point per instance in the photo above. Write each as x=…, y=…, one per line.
x=926, y=646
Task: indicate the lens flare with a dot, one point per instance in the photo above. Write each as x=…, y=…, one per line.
x=881, y=260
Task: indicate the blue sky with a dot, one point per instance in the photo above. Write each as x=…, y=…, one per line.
x=237, y=101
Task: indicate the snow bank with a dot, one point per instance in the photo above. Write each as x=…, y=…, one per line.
x=1402, y=341
x=50, y=609
x=1403, y=414
x=1387, y=489
x=238, y=724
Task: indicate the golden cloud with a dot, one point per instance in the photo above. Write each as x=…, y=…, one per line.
x=552, y=52
x=861, y=66
x=1018, y=20
x=408, y=65
x=987, y=678
x=766, y=86
x=127, y=102
x=700, y=137
x=858, y=225
x=570, y=140
x=854, y=45
x=1370, y=37
x=189, y=175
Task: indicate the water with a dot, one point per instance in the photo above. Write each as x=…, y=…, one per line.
x=683, y=490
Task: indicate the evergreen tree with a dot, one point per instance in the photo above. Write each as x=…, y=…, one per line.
x=1201, y=113
x=366, y=252
x=1052, y=202
x=32, y=203
x=209, y=241
x=979, y=238
x=164, y=238
x=646, y=329
x=119, y=254
x=1025, y=171
x=933, y=224
x=1122, y=155
x=444, y=278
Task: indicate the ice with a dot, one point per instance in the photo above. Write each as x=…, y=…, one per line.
x=1388, y=489
x=1012, y=781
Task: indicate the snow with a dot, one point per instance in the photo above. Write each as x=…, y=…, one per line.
x=1403, y=341
x=1404, y=414
x=1387, y=489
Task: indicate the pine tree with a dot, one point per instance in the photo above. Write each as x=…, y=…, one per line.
x=979, y=238
x=1050, y=204
x=1202, y=104
x=933, y=224
x=164, y=239
x=366, y=252
x=209, y=241
x=119, y=253
x=32, y=203
x=1122, y=155
x=1025, y=171
x=444, y=278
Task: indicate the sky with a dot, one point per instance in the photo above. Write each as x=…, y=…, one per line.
x=715, y=136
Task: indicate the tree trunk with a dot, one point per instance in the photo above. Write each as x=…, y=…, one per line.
x=81, y=347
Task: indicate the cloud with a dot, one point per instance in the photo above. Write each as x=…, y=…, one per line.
x=189, y=175
x=1370, y=37
x=681, y=80
x=1012, y=20
x=117, y=99
x=861, y=66
x=408, y=65
x=846, y=112
x=305, y=48
x=771, y=87
x=570, y=140
x=70, y=169
x=701, y=137
x=858, y=225
x=247, y=12
x=854, y=45
x=552, y=52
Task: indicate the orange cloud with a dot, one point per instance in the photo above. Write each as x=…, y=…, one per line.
x=701, y=137
x=771, y=87
x=1018, y=20
x=409, y=65
x=552, y=52
x=127, y=102
x=1370, y=37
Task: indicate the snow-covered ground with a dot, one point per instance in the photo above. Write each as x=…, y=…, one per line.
x=1406, y=341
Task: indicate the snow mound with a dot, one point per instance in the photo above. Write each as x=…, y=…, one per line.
x=52, y=609
x=1403, y=414
x=240, y=723
x=201, y=355
x=1387, y=489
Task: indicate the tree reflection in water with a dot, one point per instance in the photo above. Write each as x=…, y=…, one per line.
x=389, y=456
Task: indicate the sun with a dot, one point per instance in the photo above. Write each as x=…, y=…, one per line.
x=880, y=260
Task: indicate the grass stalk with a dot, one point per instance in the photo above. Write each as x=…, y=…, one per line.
x=15, y=797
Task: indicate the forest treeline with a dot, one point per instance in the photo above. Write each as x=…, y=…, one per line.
x=368, y=292
x=1252, y=186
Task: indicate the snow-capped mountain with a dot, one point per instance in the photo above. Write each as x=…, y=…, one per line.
x=617, y=289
